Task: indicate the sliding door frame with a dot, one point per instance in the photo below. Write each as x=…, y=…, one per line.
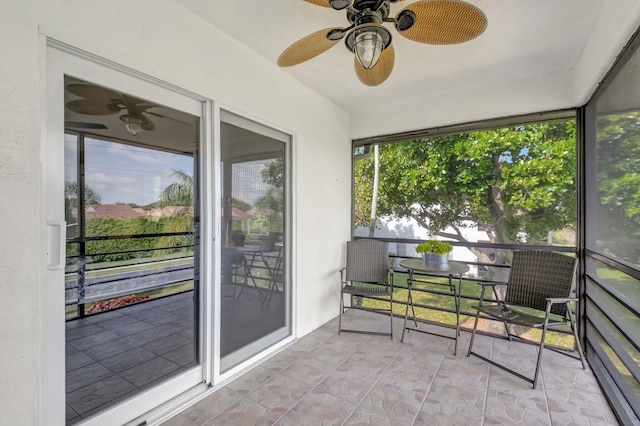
x=62, y=60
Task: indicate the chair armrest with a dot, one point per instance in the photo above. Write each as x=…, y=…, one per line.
x=561, y=299
x=492, y=285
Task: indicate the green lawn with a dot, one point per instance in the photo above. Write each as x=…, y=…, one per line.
x=470, y=292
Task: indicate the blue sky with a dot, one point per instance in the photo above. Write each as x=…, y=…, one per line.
x=125, y=173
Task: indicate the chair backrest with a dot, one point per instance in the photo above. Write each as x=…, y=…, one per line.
x=367, y=261
x=536, y=275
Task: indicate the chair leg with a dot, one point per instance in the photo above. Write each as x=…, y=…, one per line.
x=473, y=333
x=391, y=312
x=541, y=348
x=406, y=313
x=340, y=314
x=475, y=323
x=576, y=338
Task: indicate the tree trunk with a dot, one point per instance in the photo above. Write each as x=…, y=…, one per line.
x=374, y=201
x=374, y=195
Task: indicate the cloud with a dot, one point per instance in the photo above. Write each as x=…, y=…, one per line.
x=139, y=155
x=128, y=174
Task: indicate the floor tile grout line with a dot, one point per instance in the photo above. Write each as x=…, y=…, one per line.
x=372, y=386
x=486, y=392
x=318, y=384
x=336, y=368
x=433, y=379
x=244, y=397
x=546, y=395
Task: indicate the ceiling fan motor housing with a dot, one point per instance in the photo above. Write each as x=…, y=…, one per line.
x=363, y=11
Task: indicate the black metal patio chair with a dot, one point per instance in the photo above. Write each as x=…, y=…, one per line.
x=538, y=295
x=367, y=275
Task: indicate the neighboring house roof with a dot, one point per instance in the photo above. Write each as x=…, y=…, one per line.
x=236, y=212
x=123, y=210
x=167, y=211
x=112, y=210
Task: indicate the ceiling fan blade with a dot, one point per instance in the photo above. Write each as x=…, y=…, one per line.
x=89, y=107
x=81, y=125
x=335, y=4
x=89, y=91
x=134, y=104
x=155, y=114
x=147, y=123
x=441, y=21
x=380, y=72
x=310, y=46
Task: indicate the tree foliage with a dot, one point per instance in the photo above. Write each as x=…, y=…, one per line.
x=272, y=174
x=511, y=180
x=71, y=191
x=271, y=204
x=99, y=251
x=180, y=193
x=618, y=176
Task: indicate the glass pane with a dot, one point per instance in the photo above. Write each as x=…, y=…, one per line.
x=71, y=191
x=132, y=208
x=254, y=288
x=617, y=160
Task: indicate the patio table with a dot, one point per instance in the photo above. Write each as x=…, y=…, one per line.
x=453, y=271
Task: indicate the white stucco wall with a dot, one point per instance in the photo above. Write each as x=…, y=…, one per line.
x=163, y=40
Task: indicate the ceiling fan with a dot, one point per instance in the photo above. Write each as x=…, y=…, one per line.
x=425, y=21
x=98, y=100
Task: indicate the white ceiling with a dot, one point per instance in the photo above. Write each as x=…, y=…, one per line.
x=524, y=39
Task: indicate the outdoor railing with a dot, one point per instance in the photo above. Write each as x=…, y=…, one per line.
x=111, y=279
x=435, y=305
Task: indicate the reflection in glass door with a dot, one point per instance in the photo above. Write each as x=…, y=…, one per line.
x=255, y=295
x=132, y=213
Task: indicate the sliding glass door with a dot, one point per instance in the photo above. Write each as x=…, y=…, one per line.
x=131, y=297
x=136, y=314
x=255, y=291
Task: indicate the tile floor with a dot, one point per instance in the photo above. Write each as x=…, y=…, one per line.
x=113, y=355
x=326, y=379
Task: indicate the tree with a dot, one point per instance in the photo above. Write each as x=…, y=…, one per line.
x=179, y=193
x=273, y=175
x=375, y=191
x=618, y=182
x=71, y=194
x=511, y=180
x=71, y=191
x=272, y=202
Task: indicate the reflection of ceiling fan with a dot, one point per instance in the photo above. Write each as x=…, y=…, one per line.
x=425, y=21
x=97, y=100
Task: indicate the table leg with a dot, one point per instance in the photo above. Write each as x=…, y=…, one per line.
x=406, y=311
x=456, y=301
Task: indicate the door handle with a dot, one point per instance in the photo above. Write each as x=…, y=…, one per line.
x=57, y=244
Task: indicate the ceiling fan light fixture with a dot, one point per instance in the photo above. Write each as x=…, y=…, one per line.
x=369, y=42
x=132, y=123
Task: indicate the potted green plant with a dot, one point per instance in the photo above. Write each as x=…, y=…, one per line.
x=434, y=251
